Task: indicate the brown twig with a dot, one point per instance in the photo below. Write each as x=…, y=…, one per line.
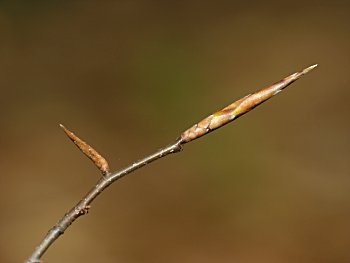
x=203, y=127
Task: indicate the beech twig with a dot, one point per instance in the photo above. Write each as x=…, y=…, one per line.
x=203, y=127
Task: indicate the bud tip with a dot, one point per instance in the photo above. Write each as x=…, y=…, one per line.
x=309, y=68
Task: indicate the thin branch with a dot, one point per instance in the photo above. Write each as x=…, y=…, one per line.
x=83, y=206
x=203, y=127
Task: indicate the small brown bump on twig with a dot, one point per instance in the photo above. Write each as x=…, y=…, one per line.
x=90, y=152
x=239, y=107
x=85, y=210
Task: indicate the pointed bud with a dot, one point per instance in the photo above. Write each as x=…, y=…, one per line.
x=238, y=108
x=90, y=152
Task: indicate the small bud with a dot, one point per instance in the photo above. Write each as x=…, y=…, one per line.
x=238, y=108
x=90, y=152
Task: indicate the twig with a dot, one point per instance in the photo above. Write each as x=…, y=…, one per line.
x=203, y=127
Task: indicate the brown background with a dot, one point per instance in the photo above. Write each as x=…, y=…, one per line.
x=129, y=76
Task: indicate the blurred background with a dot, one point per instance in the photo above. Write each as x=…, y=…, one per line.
x=129, y=77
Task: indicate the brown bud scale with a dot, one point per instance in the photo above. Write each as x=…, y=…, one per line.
x=90, y=152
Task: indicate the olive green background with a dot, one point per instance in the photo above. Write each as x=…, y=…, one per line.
x=129, y=77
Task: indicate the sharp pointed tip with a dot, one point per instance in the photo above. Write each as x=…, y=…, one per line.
x=64, y=129
x=62, y=126
x=309, y=68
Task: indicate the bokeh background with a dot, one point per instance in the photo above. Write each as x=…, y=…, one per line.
x=129, y=77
